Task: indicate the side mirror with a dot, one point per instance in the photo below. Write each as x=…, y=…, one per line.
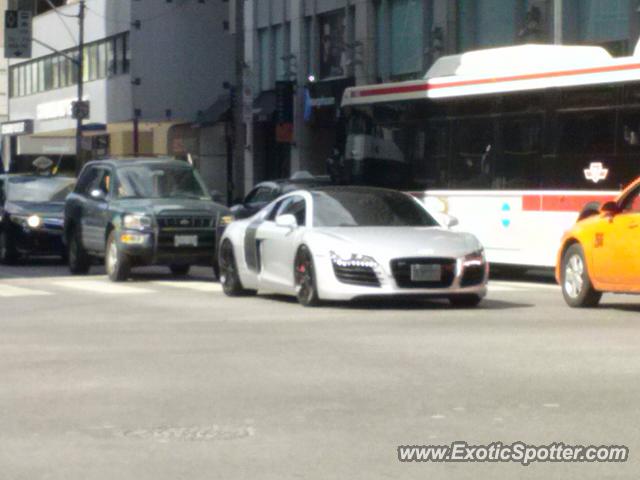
x=610, y=208
x=449, y=221
x=98, y=194
x=216, y=196
x=286, y=220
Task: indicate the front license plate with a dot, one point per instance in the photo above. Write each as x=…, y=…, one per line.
x=185, y=241
x=425, y=273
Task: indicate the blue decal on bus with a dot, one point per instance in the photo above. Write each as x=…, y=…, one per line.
x=506, y=221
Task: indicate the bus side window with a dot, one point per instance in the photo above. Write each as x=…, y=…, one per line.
x=435, y=162
x=473, y=156
x=630, y=131
x=584, y=133
x=520, y=162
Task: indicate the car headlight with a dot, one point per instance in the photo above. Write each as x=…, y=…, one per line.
x=34, y=221
x=474, y=259
x=226, y=220
x=136, y=221
x=353, y=260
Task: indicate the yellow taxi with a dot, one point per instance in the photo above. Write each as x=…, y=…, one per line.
x=601, y=253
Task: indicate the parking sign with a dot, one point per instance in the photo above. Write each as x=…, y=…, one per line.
x=17, y=34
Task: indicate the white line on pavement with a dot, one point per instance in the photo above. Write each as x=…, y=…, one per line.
x=502, y=286
x=11, y=291
x=209, y=287
x=104, y=286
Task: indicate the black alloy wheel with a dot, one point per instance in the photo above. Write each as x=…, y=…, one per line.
x=305, y=278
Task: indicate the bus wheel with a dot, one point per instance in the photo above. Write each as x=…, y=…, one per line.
x=577, y=288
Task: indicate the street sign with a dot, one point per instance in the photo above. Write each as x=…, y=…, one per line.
x=80, y=110
x=21, y=127
x=17, y=34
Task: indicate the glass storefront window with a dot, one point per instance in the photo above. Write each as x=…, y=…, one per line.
x=333, y=52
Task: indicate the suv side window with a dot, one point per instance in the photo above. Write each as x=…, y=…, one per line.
x=87, y=180
x=98, y=178
x=2, y=194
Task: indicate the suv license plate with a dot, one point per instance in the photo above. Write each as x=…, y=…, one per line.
x=185, y=240
x=425, y=273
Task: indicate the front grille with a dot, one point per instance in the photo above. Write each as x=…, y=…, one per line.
x=472, y=276
x=184, y=222
x=356, y=275
x=401, y=269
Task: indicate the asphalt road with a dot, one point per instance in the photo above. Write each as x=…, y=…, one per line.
x=162, y=378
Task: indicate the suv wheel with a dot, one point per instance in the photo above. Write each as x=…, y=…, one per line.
x=8, y=252
x=79, y=259
x=116, y=263
x=577, y=289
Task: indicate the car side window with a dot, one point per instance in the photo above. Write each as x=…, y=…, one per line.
x=86, y=180
x=297, y=206
x=95, y=179
x=260, y=195
x=632, y=202
x=275, y=210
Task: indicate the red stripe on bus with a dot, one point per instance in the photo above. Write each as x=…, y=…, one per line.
x=560, y=203
x=484, y=81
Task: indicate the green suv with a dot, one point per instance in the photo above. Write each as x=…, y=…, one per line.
x=143, y=211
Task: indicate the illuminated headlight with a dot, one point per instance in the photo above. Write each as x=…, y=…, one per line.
x=474, y=259
x=34, y=221
x=136, y=222
x=226, y=220
x=133, y=238
x=353, y=260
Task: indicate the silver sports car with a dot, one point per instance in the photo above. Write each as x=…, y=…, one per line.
x=342, y=243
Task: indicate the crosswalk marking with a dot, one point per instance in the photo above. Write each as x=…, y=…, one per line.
x=104, y=286
x=7, y=291
x=209, y=287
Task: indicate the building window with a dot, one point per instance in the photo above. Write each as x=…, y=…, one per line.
x=265, y=59
x=400, y=42
x=333, y=52
x=488, y=23
x=101, y=60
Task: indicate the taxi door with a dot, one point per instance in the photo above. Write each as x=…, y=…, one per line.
x=626, y=241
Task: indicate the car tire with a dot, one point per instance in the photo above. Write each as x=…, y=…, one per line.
x=78, y=259
x=180, y=270
x=229, y=277
x=577, y=288
x=117, y=264
x=465, y=301
x=8, y=252
x=304, y=275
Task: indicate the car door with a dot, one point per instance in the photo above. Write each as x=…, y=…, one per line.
x=95, y=209
x=278, y=244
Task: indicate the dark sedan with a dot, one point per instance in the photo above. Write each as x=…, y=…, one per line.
x=32, y=215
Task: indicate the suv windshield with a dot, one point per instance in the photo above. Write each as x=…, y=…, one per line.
x=368, y=208
x=39, y=189
x=160, y=181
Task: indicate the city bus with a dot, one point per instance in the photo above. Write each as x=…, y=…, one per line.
x=512, y=141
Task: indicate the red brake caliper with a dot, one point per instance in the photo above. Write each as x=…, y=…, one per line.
x=302, y=268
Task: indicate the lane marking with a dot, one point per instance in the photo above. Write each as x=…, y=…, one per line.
x=498, y=285
x=104, y=286
x=209, y=287
x=12, y=291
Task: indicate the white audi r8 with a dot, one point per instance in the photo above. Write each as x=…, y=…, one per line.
x=342, y=243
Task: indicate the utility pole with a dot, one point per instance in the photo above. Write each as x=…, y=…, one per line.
x=80, y=64
x=239, y=130
x=557, y=22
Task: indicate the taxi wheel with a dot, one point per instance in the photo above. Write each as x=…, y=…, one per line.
x=305, y=278
x=465, y=301
x=78, y=258
x=8, y=252
x=577, y=288
x=229, y=277
x=116, y=263
x=180, y=270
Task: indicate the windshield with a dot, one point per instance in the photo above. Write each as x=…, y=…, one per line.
x=160, y=181
x=39, y=189
x=368, y=208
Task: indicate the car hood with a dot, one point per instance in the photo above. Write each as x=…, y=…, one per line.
x=394, y=242
x=160, y=206
x=44, y=209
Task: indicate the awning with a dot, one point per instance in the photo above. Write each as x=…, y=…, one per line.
x=264, y=105
x=215, y=112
